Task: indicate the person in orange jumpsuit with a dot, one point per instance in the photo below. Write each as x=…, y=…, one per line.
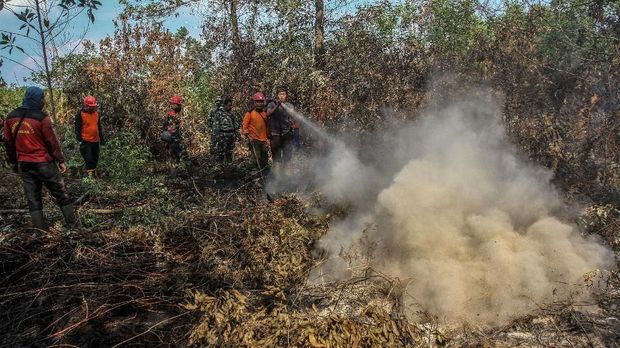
x=254, y=130
x=89, y=133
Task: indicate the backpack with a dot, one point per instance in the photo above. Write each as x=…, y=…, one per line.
x=166, y=137
x=170, y=127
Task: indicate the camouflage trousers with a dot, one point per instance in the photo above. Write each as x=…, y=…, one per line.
x=223, y=147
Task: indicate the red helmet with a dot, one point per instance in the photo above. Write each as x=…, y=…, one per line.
x=258, y=96
x=176, y=100
x=90, y=101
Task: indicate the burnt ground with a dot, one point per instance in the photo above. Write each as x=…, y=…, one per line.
x=201, y=257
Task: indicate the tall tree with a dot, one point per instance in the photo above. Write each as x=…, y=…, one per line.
x=234, y=25
x=319, y=34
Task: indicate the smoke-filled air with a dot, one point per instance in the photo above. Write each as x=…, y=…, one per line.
x=457, y=212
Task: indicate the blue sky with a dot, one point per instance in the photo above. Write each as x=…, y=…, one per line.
x=13, y=73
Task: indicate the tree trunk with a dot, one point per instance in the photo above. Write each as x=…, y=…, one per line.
x=234, y=24
x=45, y=11
x=319, y=51
x=319, y=34
x=48, y=76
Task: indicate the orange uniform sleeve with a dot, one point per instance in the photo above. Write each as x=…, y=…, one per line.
x=245, y=129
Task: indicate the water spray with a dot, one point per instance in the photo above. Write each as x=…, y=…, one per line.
x=306, y=122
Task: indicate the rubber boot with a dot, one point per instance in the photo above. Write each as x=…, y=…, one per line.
x=38, y=221
x=69, y=214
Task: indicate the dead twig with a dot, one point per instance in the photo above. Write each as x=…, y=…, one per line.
x=149, y=329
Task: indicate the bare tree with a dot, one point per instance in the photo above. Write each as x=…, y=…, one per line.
x=319, y=34
x=234, y=25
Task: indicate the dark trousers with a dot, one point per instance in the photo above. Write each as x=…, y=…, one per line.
x=90, y=153
x=281, y=148
x=34, y=176
x=259, y=153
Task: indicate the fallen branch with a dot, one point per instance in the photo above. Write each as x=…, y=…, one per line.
x=104, y=211
x=25, y=211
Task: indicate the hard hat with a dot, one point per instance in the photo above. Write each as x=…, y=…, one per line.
x=90, y=101
x=258, y=96
x=176, y=100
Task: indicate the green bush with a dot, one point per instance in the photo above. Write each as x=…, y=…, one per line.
x=10, y=98
x=124, y=157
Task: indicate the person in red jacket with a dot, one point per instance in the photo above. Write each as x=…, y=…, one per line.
x=89, y=133
x=32, y=145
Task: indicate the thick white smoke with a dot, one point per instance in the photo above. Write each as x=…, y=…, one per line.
x=457, y=211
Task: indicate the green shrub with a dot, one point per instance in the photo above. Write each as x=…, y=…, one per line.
x=124, y=157
x=10, y=98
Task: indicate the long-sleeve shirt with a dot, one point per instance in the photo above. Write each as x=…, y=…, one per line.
x=280, y=121
x=35, y=142
x=255, y=125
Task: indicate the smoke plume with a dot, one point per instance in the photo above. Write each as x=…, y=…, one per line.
x=455, y=209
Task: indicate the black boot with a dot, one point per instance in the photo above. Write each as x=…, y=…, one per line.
x=38, y=221
x=69, y=214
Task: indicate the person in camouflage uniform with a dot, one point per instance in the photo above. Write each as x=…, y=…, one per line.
x=224, y=132
x=212, y=116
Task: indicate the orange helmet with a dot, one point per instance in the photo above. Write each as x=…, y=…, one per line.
x=90, y=101
x=258, y=96
x=176, y=100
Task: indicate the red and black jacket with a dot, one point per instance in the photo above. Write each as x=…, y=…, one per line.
x=35, y=142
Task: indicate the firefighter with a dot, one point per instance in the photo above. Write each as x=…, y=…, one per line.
x=172, y=129
x=89, y=133
x=34, y=149
x=280, y=131
x=254, y=130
